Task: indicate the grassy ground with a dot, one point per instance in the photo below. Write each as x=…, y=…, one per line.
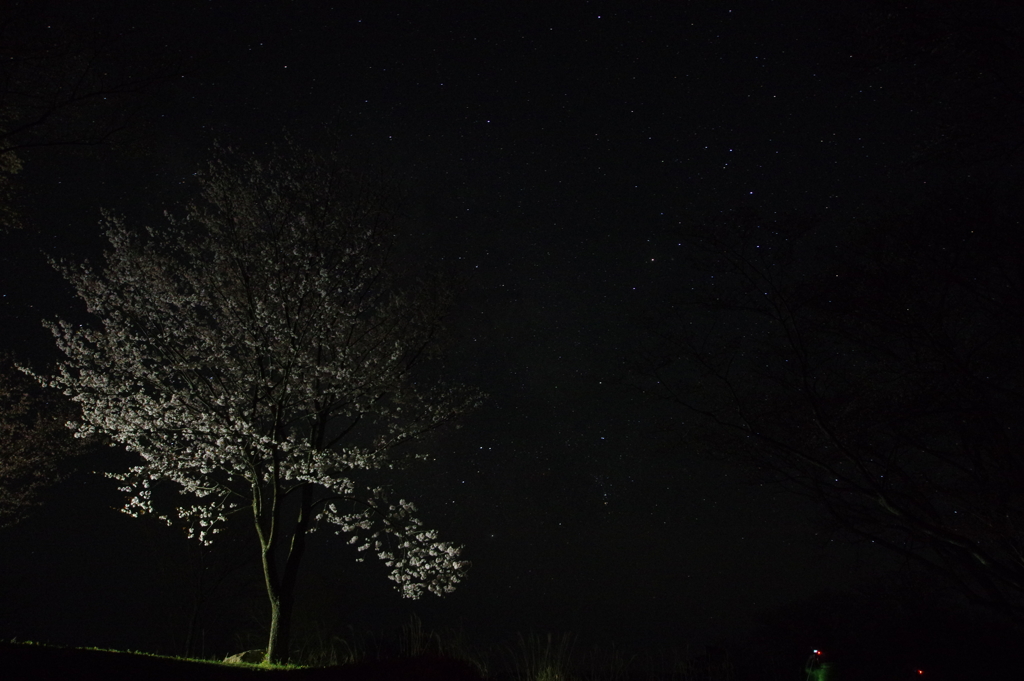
x=20, y=661
x=418, y=654
x=29, y=662
x=531, y=657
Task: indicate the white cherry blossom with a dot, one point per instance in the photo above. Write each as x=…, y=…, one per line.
x=259, y=349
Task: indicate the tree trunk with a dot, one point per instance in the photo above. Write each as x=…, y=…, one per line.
x=273, y=652
x=268, y=541
x=281, y=586
x=290, y=577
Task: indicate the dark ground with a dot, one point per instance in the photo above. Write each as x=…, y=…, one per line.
x=43, y=663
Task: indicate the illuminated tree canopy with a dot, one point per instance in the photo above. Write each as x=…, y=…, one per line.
x=259, y=354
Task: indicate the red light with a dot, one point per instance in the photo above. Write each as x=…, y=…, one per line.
x=920, y=672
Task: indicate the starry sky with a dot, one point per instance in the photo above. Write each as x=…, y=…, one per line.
x=551, y=150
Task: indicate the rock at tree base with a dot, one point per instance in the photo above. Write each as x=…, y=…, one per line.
x=248, y=657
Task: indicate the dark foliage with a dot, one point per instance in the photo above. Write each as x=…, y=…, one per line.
x=34, y=441
x=70, y=79
x=880, y=373
x=903, y=629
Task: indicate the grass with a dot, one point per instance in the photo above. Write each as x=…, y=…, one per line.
x=530, y=658
x=155, y=656
x=413, y=653
x=43, y=662
x=539, y=658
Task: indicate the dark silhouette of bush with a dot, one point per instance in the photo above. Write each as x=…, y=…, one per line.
x=886, y=634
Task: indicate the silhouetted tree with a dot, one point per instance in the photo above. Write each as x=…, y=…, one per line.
x=68, y=79
x=259, y=355
x=880, y=372
x=34, y=441
x=904, y=627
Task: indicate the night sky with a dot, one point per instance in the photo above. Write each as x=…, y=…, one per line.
x=551, y=151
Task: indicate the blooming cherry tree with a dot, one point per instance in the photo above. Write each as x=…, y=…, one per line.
x=259, y=354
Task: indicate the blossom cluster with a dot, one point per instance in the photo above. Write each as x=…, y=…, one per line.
x=419, y=562
x=257, y=345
